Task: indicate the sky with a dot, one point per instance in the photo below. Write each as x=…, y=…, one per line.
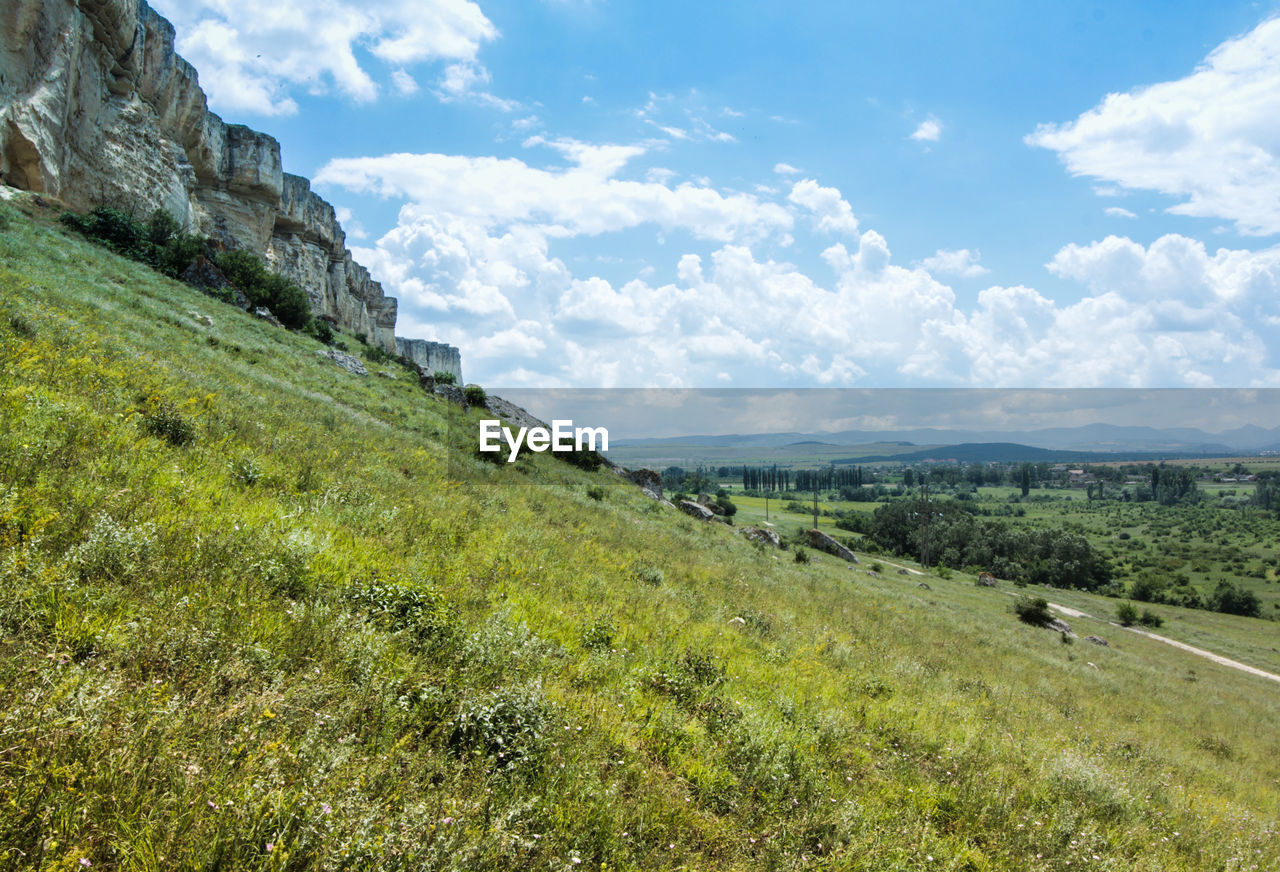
x=732, y=193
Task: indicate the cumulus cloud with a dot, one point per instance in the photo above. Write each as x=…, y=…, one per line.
x=930, y=130
x=831, y=212
x=252, y=56
x=587, y=198
x=474, y=260
x=1209, y=139
x=962, y=263
x=467, y=81
x=1119, y=212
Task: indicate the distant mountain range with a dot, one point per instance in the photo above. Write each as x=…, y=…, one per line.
x=1070, y=442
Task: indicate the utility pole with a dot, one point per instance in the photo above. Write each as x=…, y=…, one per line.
x=925, y=511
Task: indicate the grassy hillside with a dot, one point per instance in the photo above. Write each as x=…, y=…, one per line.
x=252, y=617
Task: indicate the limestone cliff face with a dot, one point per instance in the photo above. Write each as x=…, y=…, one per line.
x=431, y=356
x=96, y=107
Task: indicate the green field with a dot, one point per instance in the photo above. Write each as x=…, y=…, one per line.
x=260, y=613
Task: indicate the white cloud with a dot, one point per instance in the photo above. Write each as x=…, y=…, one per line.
x=1119, y=212
x=586, y=198
x=1209, y=139
x=785, y=169
x=831, y=212
x=962, y=263
x=473, y=259
x=930, y=130
x=404, y=83
x=465, y=82
x=252, y=56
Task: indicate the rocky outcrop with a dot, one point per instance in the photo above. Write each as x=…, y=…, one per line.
x=431, y=356
x=351, y=364
x=702, y=513
x=823, y=542
x=96, y=107
x=763, y=536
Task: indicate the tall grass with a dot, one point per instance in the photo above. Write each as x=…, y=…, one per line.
x=306, y=635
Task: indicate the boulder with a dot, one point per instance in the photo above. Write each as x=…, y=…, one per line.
x=986, y=579
x=696, y=510
x=649, y=481
x=1098, y=640
x=1059, y=626
x=821, y=541
x=452, y=393
x=346, y=361
x=764, y=537
x=924, y=586
x=203, y=275
x=267, y=315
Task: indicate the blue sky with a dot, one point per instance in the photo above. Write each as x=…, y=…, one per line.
x=748, y=194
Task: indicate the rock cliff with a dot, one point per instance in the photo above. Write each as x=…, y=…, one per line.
x=431, y=356
x=97, y=107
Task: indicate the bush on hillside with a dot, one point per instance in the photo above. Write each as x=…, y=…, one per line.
x=444, y=378
x=1033, y=610
x=1235, y=600
x=474, y=395
x=508, y=725
x=287, y=301
x=161, y=419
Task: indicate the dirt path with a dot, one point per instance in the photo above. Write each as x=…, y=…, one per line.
x=1208, y=655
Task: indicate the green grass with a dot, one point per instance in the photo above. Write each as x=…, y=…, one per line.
x=317, y=634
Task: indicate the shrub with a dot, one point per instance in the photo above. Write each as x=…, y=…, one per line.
x=688, y=676
x=802, y=556
x=114, y=552
x=419, y=612
x=161, y=418
x=444, y=378
x=507, y=725
x=245, y=471
x=246, y=271
x=1235, y=600
x=598, y=635
x=1149, y=618
x=1034, y=611
x=595, y=492
x=474, y=395
x=650, y=575
x=322, y=330
x=1126, y=614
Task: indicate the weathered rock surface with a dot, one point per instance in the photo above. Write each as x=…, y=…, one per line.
x=97, y=107
x=1059, y=626
x=702, y=513
x=270, y=317
x=431, y=356
x=1098, y=640
x=823, y=542
x=351, y=364
x=764, y=537
x=649, y=482
x=986, y=579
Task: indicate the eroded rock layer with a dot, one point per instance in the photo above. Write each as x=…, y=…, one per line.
x=97, y=107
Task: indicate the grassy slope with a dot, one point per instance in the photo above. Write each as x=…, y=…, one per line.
x=186, y=680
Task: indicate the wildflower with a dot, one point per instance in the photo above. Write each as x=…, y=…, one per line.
x=326, y=809
x=271, y=846
x=84, y=861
